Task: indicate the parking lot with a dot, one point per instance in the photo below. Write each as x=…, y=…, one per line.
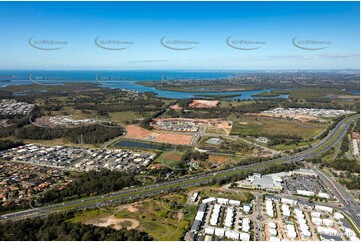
x=298, y=182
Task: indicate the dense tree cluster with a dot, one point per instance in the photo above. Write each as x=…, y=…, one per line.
x=8, y=144
x=57, y=227
x=90, y=183
x=17, y=123
x=351, y=181
x=90, y=134
x=235, y=146
x=344, y=164
x=145, y=123
x=141, y=105
x=194, y=155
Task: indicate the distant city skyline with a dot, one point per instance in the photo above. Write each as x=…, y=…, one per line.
x=180, y=35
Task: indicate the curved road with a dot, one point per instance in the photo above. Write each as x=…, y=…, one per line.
x=332, y=138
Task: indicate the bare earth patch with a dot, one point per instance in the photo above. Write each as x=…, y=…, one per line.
x=173, y=156
x=204, y=103
x=136, y=132
x=180, y=216
x=176, y=107
x=111, y=221
x=156, y=166
x=219, y=159
x=133, y=208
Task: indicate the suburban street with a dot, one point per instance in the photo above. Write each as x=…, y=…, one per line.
x=203, y=178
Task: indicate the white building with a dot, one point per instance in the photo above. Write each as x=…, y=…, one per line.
x=244, y=236
x=323, y=208
x=219, y=232
x=305, y=193
x=338, y=216
x=209, y=200
x=327, y=231
x=315, y=214
x=215, y=214
x=272, y=232
x=291, y=232
x=209, y=230
x=228, y=222
x=234, y=203
x=194, y=197
x=316, y=221
x=302, y=224
x=246, y=208
x=199, y=216
x=269, y=208
x=288, y=201
x=232, y=235
x=327, y=222
x=323, y=195
x=272, y=225
x=246, y=225
x=286, y=210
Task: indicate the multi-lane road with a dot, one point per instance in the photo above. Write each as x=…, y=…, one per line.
x=350, y=206
x=329, y=141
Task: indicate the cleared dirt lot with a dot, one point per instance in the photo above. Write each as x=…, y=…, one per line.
x=116, y=223
x=136, y=132
x=176, y=107
x=204, y=103
x=219, y=159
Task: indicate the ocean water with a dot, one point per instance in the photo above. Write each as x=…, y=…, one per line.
x=124, y=80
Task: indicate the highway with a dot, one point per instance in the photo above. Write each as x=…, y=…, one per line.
x=124, y=195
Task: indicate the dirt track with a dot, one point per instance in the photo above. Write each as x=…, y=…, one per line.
x=110, y=220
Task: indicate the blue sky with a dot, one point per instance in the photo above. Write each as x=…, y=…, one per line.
x=208, y=24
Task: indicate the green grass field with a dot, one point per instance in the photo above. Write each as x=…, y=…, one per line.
x=121, y=117
x=291, y=146
x=211, y=130
x=165, y=218
x=268, y=126
x=170, y=159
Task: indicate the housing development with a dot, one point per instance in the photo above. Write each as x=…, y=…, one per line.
x=75, y=158
x=282, y=219
x=180, y=121
x=10, y=107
